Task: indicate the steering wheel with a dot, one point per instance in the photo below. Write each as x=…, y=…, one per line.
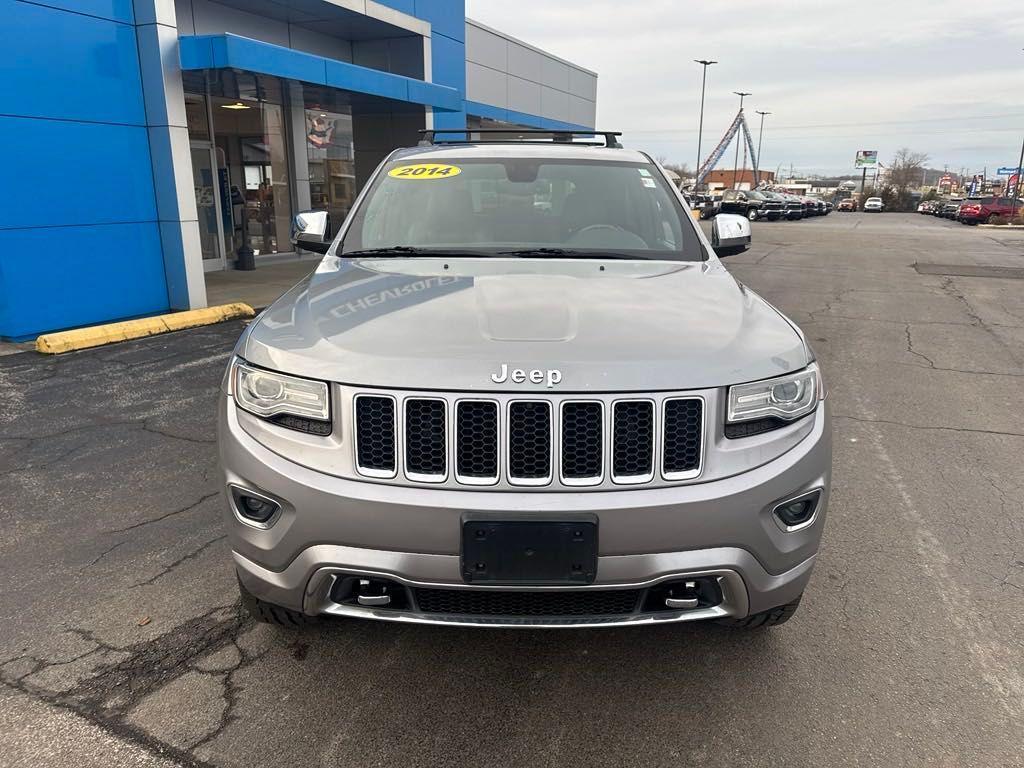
x=595, y=228
x=619, y=237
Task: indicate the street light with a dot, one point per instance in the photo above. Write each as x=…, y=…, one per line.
x=700, y=129
x=739, y=140
x=757, y=160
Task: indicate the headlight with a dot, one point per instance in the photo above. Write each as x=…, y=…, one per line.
x=279, y=397
x=773, y=402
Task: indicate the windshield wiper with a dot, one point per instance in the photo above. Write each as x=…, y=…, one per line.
x=380, y=251
x=409, y=250
x=567, y=253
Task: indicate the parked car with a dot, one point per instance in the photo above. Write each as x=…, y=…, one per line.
x=874, y=205
x=773, y=206
x=739, y=202
x=984, y=209
x=951, y=208
x=794, y=207
x=750, y=203
x=847, y=204
x=829, y=207
x=703, y=203
x=429, y=429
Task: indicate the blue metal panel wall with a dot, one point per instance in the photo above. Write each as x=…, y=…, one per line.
x=79, y=241
x=447, y=49
x=520, y=118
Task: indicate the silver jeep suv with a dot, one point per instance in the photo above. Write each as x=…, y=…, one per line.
x=520, y=389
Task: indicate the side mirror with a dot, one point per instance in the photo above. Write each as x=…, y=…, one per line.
x=730, y=234
x=312, y=230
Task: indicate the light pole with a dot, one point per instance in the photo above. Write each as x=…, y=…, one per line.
x=700, y=128
x=739, y=139
x=1018, y=185
x=757, y=160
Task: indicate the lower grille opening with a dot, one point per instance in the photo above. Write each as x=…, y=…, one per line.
x=497, y=603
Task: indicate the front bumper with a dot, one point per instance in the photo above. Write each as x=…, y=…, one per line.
x=331, y=527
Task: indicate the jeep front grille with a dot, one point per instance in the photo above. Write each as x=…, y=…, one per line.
x=528, y=441
x=476, y=442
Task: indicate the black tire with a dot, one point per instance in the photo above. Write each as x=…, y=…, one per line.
x=268, y=613
x=770, y=618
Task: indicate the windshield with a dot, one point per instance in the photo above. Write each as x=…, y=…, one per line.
x=523, y=207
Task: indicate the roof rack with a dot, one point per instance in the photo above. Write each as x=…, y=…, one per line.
x=520, y=136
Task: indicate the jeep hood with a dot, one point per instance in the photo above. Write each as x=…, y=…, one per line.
x=434, y=323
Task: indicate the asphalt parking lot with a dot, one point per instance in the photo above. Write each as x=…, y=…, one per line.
x=123, y=642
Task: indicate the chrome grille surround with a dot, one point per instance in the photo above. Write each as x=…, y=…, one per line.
x=379, y=471
x=582, y=481
x=501, y=403
x=529, y=480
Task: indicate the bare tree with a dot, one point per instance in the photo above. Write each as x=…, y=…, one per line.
x=681, y=168
x=905, y=171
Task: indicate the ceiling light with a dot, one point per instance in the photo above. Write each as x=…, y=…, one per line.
x=236, y=105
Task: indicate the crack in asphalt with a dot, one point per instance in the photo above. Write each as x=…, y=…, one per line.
x=949, y=286
x=230, y=693
x=172, y=513
x=107, y=696
x=911, y=350
x=928, y=427
x=180, y=561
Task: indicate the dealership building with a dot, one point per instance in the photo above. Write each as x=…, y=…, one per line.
x=149, y=140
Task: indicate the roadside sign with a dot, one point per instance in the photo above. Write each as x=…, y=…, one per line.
x=1007, y=171
x=866, y=158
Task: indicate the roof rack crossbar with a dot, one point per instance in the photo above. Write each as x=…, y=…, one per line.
x=430, y=136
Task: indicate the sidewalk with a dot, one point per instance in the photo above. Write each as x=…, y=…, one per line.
x=259, y=287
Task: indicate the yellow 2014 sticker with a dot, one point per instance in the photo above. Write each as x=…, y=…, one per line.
x=425, y=171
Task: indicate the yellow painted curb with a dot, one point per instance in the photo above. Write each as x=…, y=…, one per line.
x=98, y=335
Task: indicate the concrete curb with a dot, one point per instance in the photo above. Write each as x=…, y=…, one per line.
x=98, y=335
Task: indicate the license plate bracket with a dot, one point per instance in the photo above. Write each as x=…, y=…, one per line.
x=529, y=551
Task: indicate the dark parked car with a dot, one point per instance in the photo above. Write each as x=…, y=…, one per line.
x=984, y=209
x=773, y=206
x=737, y=202
x=750, y=203
x=951, y=207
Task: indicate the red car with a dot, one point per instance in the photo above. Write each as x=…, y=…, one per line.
x=986, y=208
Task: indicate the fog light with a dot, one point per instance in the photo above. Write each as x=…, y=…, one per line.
x=797, y=512
x=257, y=509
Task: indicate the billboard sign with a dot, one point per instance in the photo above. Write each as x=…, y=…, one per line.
x=866, y=158
x=1007, y=171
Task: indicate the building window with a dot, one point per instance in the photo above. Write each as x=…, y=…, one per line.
x=331, y=157
x=251, y=137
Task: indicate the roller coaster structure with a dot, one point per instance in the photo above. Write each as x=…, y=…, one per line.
x=716, y=154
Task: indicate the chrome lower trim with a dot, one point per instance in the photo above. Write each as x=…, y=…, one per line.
x=318, y=602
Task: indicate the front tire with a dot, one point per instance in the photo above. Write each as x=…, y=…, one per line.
x=773, y=617
x=268, y=613
x=752, y=214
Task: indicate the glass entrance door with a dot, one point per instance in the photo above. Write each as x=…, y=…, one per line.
x=207, y=181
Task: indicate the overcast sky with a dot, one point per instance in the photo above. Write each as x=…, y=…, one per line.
x=945, y=77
